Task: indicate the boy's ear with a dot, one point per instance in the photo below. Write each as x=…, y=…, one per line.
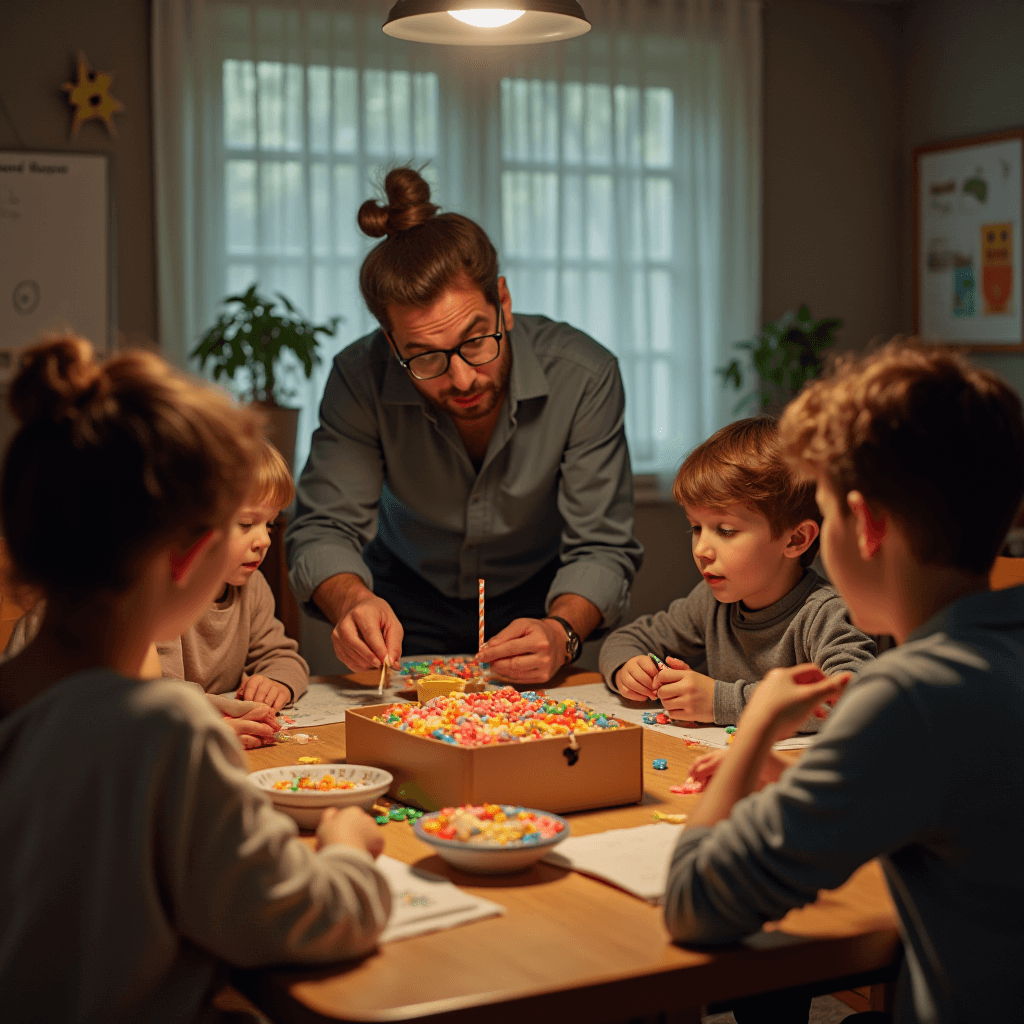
x=801, y=537
x=182, y=562
x=871, y=527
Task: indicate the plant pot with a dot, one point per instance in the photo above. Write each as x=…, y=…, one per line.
x=282, y=427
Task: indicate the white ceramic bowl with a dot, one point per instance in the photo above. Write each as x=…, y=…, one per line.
x=306, y=805
x=488, y=859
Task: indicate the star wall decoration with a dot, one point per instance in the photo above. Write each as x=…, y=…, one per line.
x=90, y=96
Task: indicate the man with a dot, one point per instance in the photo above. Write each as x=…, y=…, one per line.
x=491, y=446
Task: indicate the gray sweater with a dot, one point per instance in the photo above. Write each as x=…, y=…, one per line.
x=737, y=647
x=921, y=765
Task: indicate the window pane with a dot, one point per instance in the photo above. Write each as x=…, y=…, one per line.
x=661, y=310
x=424, y=97
x=282, y=217
x=319, y=103
x=628, y=125
x=346, y=101
x=530, y=213
x=659, y=218
x=280, y=105
x=600, y=216
x=598, y=124
x=347, y=200
x=320, y=208
x=239, y=83
x=572, y=122
x=572, y=216
x=658, y=127
x=240, y=204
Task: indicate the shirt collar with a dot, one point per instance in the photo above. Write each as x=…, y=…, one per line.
x=526, y=380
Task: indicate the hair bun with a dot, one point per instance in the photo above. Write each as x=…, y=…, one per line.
x=409, y=205
x=58, y=380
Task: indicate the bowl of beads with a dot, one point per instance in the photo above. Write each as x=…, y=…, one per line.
x=303, y=792
x=491, y=839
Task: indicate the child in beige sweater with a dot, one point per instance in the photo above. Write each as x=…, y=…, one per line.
x=237, y=644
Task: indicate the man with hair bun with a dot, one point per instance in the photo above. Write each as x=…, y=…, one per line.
x=482, y=445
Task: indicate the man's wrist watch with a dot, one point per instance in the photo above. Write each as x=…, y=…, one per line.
x=573, y=644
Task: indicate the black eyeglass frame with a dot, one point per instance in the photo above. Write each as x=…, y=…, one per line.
x=406, y=364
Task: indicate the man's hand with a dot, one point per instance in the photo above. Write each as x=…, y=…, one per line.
x=264, y=691
x=526, y=650
x=368, y=634
x=635, y=680
x=367, y=631
x=350, y=827
x=786, y=696
x=685, y=694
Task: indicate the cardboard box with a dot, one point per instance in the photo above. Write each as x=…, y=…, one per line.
x=547, y=774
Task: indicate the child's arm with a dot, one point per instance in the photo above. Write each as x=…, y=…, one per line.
x=276, y=672
x=679, y=631
x=238, y=880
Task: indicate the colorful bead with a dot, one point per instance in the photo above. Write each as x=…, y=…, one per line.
x=659, y=764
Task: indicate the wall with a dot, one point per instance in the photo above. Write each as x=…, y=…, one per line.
x=39, y=45
x=831, y=163
x=963, y=75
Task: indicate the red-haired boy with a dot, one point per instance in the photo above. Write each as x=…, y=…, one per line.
x=918, y=461
x=760, y=606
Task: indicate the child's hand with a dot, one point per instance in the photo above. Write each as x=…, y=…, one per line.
x=686, y=694
x=635, y=680
x=786, y=696
x=267, y=691
x=707, y=764
x=254, y=729
x=350, y=827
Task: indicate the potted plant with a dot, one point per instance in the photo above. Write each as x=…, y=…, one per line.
x=251, y=335
x=785, y=355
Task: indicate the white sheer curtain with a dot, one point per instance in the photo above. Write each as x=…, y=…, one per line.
x=618, y=174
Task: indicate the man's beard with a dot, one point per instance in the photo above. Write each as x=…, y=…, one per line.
x=493, y=392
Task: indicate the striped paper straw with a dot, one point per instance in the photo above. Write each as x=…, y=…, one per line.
x=480, y=604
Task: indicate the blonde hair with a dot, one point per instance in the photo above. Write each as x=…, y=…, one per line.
x=113, y=459
x=272, y=482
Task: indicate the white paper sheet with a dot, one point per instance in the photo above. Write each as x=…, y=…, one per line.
x=423, y=902
x=600, y=698
x=634, y=859
x=324, y=703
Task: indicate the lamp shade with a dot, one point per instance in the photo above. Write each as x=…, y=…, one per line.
x=486, y=22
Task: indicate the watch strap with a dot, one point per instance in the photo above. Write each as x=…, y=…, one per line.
x=573, y=644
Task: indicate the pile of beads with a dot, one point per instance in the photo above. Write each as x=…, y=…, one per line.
x=461, y=668
x=495, y=716
x=325, y=784
x=656, y=718
x=492, y=824
x=386, y=814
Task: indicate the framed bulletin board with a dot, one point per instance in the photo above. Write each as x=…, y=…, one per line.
x=55, y=242
x=967, y=203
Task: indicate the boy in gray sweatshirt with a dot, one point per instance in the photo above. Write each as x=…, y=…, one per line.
x=754, y=534
x=918, y=461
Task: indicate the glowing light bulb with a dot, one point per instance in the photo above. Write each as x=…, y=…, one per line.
x=487, y=18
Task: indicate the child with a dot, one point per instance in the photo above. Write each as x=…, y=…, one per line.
x=918, y=461
x=755, y=532
x=136, y=853
x=238, y=643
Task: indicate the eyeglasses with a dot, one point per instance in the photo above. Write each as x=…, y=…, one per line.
x=473, y=352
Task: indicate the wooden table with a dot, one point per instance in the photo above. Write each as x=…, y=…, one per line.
x=570, y=947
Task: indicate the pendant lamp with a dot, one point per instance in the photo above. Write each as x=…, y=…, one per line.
x=486, y=22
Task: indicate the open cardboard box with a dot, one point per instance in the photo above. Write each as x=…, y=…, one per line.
x=605, y=770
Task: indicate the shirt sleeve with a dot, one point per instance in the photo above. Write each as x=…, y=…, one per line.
x=242, y=884
x=272, y=653
x=834, y=643
x=600, y=556
x=337, y=493
x=866, y=787
x=679, y=632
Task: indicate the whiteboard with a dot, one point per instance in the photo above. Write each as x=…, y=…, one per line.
x=54, y=249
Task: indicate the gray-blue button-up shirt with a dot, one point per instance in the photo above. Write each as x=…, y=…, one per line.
x=555, y=481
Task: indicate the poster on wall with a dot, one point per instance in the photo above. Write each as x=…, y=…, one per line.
x=968, y=197
x=54, y=250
